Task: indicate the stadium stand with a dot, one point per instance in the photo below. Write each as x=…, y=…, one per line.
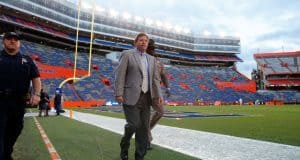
x=278, y=75
x=199, y=68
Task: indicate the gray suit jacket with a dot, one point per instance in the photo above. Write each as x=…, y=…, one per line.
x=129, y=77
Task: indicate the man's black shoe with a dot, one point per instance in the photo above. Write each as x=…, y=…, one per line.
x=124, y=156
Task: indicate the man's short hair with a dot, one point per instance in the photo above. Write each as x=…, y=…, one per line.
x=140, y=35
x=151, y=47
x=151, y=43
x=11, y=34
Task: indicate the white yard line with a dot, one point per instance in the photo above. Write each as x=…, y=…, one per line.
x=53, y=153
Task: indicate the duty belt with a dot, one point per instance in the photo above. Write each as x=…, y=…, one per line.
x=9, y=94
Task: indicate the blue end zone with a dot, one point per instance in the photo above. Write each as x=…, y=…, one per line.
x=169, y=114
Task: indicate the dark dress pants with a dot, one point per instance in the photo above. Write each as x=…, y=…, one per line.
x=137, y=117
x=11, y=124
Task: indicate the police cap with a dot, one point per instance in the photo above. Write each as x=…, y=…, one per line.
x=11, y=34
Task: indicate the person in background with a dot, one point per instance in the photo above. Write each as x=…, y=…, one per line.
x=57, y=102
x=16, y=72
x=241, y=101
x=157, y=107
x=44, y=104
x=136, y=84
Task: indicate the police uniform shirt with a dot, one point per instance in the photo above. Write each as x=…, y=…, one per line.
x=16, y=71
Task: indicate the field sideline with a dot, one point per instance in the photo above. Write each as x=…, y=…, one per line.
x=74, y=140
x=240, y=126
x=268, y=123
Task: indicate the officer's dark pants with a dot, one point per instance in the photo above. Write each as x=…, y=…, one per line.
x=11, y=124
x=137, y=117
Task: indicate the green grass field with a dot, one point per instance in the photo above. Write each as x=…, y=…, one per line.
x=75, y=140
x=268, y=123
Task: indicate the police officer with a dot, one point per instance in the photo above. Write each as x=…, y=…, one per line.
x=16, y=73
x=44, y=103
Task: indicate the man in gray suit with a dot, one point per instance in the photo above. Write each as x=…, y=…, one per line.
x=137, y=82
